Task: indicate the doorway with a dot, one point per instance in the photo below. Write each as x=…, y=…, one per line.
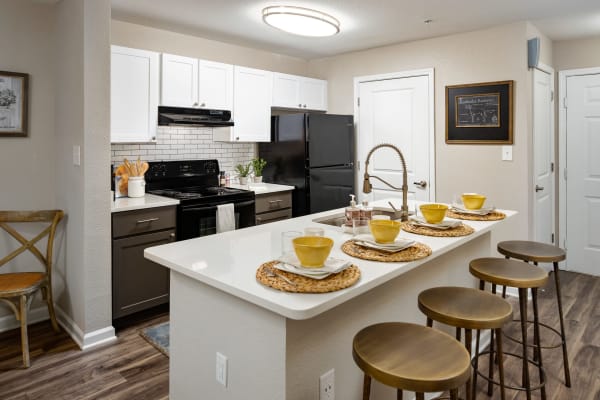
x=396, y=108
x=579, y=135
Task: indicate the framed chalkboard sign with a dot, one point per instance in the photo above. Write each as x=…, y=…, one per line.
x=480, y=113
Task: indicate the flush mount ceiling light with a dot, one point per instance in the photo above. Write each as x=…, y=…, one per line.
x=301, y=21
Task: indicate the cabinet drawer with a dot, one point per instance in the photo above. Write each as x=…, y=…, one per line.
x=273, y=216
x=142, y=221
x=273, y=202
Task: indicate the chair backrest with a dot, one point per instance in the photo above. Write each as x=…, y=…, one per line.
x=52, y=217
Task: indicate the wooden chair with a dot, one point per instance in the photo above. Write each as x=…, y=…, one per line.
x=17, y=289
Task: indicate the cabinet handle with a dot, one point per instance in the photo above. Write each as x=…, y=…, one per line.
x=203, y=105
x=195, y=104
x=300, y=105
x=305, y=106
x=237, y=138
x=143, y=221
x=258, y=219
x=172, y=236
x=275, y=203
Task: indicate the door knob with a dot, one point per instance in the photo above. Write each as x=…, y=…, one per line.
x=538, y=188
x=421, y=184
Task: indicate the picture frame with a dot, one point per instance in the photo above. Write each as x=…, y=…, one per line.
x=14, y=93
x=480, y=113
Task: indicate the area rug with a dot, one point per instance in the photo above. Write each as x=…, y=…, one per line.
x=158, y=336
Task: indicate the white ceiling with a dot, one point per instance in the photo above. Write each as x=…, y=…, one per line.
x=364, y=23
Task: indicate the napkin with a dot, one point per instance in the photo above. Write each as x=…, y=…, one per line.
x=331, y=266
x=482, y=211
x=445, y=224
x=367, y=240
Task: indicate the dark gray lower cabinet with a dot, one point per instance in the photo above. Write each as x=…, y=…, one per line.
x=138, y=283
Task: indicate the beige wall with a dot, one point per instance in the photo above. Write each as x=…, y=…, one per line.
x=494, y=54
x=577, y=53
x=144, y=37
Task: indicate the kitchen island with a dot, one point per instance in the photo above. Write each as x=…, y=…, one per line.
x=278, y=344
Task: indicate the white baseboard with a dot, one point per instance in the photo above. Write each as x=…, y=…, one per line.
x=83, y=340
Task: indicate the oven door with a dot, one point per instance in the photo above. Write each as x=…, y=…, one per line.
x=201, y=219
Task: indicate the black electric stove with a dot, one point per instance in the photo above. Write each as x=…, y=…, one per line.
x=195, y=184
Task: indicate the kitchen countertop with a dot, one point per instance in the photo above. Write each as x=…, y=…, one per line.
x=228, y=262
x=136, y=203
x=263, y=187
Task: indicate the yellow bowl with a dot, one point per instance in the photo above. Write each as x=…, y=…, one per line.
x=473, y=201
x=433, y=213
x=312, y=251
x=384, y=230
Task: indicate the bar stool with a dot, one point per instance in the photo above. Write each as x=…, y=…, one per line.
x=505, y=272
x=536, y=252
x=410, y=357
x=468, y=309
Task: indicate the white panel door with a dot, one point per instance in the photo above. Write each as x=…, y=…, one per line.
x=215, y=85
x=179, y=81
x=396, y=111
x=583, y=173
x=543, y=157
x=252, y=105
x=134, y=86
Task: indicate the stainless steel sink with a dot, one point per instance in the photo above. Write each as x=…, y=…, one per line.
x=338, y=219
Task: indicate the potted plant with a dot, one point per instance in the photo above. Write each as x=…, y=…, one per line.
x=258, y=164
x=243, y=172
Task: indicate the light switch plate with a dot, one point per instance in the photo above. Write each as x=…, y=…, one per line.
x=221, y=369
x=507, y=153
x=76, y=155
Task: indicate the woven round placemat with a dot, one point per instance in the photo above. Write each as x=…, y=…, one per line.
x=339, y=281
x=414, y=252
x=493, y=216
x=461, y=230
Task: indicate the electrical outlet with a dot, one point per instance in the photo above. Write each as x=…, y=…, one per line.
x=221, y=369
x=327, y=386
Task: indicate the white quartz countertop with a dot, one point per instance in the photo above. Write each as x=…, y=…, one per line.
x=263, y=188
x=137, y=203
x=228, y=262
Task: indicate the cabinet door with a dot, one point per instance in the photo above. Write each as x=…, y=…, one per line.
x=216, y=85
x=313, y=94
x=134, y=86
x=252, y=105
x=286, y=91
x=138, y=283
x=179, y=81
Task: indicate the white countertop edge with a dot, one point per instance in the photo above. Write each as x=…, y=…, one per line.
x=137, y=203
x=263, y=187
x=337, y=297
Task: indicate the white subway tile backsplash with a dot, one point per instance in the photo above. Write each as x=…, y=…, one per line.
x=181, y=143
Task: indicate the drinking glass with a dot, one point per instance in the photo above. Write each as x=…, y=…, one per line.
x=287, y=246
x=360, y=226
x=313, y=231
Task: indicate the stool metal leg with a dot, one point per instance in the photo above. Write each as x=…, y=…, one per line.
x=500, y=362
x=476, y=366
x=468, y=339
x=366, y=387
x=562, y=327
x=537, y=349
x=420, y=396
x=523, y=311
x=399, y=394
x=454, y=394
x=429, y=322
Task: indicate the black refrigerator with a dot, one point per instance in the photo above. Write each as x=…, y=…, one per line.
x=315, y=154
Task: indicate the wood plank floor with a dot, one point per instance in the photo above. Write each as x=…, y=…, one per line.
x=132, y=369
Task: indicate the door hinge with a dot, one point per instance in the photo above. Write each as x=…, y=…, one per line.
x=565, y=174
x=552, y=238
x=551, y=167
x=564, y=102
x=552, y=95
x=358, y=101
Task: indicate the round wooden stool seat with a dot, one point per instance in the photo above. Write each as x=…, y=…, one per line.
x=465, y=307
x=411, y=357
x=501, y=271
x=531, y=251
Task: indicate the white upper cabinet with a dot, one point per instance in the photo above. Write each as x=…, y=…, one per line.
x=189, y=82
x=179, y=81
x=292, y=91
x=134, y=87
x=251, y=107
x=215, y=85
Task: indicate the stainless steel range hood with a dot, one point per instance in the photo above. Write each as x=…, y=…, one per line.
x=182, y=116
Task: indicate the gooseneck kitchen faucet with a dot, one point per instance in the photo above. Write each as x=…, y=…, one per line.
x=367, y=187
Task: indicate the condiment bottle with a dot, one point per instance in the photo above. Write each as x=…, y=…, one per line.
x=366, y=211
x=352, y=211
x=222, y=179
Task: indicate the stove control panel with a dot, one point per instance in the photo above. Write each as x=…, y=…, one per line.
x=161, y=170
